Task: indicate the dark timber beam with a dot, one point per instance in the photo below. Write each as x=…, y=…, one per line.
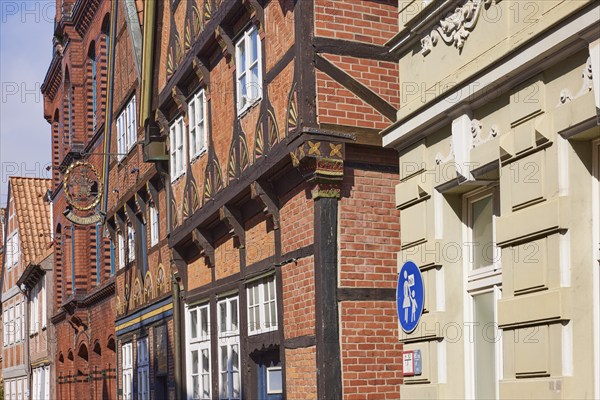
x=233, y=218
x=162, y=121
x=360, y=90
x=263, y=193
x=203, y=241
x=342, y=47
x=329, y=369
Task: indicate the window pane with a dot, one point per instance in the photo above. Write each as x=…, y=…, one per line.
x=194, y=324
x=274, y=378
x=223, y=314
x=482, y=214
x=485, y=351
x=195, y=362
x=205, y=361
x=254, y=43
x=204, y=322
x=234, y=315
x=242, y=56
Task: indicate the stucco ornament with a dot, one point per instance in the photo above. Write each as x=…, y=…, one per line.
x=456, y=27
x=587, y=85
x=478, y=138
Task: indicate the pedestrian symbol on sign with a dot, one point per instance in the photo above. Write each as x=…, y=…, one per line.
x=409, y=296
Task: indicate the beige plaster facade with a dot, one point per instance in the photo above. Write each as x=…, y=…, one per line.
x=498, y=135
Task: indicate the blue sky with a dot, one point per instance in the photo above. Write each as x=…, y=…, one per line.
x=25, y=52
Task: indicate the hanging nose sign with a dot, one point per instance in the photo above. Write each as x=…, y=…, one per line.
x=409, y=296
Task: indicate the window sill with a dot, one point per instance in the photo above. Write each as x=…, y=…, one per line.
x=177, y=178
x=261, y=331
x=199, y=155
x=242, y=113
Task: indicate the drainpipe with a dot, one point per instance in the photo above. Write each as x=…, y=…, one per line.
x=177, y=336
x=109, y=103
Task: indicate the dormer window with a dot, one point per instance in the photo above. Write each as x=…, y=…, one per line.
x=248, y=69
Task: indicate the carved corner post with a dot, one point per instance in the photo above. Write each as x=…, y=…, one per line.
x=322, y=165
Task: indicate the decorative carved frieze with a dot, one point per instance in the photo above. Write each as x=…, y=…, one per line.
x=456, y=27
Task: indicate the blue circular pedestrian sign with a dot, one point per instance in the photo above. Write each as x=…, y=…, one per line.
x=409, y=296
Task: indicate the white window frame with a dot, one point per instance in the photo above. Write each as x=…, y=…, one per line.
x=198, y=340
x=229, y=339
x=481, y=281
x=197, y=126
x=17, y=322
x=143, y=369
x=273, y=391
x=6, y=323
x=130, y=243
x=245, y=42
x=260, y=304
x=34, y=307
x=47, y=382
x=13, y=250
x=177, y=148
x=154, y=227
x=11, y=325
x=121, y=244
x=127, y=370
x=126, y=129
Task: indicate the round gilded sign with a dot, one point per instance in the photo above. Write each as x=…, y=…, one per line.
x=83, y=187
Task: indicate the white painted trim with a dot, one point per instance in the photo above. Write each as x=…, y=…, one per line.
x=510, y=67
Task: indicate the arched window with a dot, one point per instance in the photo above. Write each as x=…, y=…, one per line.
x=59, y=264
x=57, y=150
x=68, y=112
x=93, y=92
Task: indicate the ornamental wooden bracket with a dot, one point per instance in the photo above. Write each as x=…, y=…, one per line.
x=264, y=193
x=233, y=219
x=162, y=121
x=201, y=71
x=256, y=12
x=179, y=99
x=224, y=40
x=204, y=241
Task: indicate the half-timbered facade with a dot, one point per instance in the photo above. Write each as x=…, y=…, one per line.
x=279, y=197
x=27, y=227
x=75, y=105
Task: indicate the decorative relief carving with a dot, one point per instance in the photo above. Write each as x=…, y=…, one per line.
x=456, y=27
x=586, y=86
x=439, y=158
x=476, y=127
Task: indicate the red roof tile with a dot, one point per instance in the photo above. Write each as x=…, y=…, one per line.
x=33, y=215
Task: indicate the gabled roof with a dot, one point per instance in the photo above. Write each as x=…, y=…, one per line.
x=33, y=215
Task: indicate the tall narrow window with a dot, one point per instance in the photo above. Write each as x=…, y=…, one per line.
x=98, y=254
x=73, y=259
x=126, y=129
x=248, y=69
x=177, y=148
x=17, y=325
x=121, y=243
x=44, y=300
x=94, y=86
x=262, y=306
x=198, y=354
x=143, y=369
x=112, y=257
x=484, y=279
x=229, y=354
x=130, y=243
x=153, y=225
x=6, y=327
x=144, y=244
x=127, y=370
x=197, y=118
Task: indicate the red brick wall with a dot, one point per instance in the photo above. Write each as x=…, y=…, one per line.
x=369, y=230
x=369, y=21
x=370, y=351
x=301, y=373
